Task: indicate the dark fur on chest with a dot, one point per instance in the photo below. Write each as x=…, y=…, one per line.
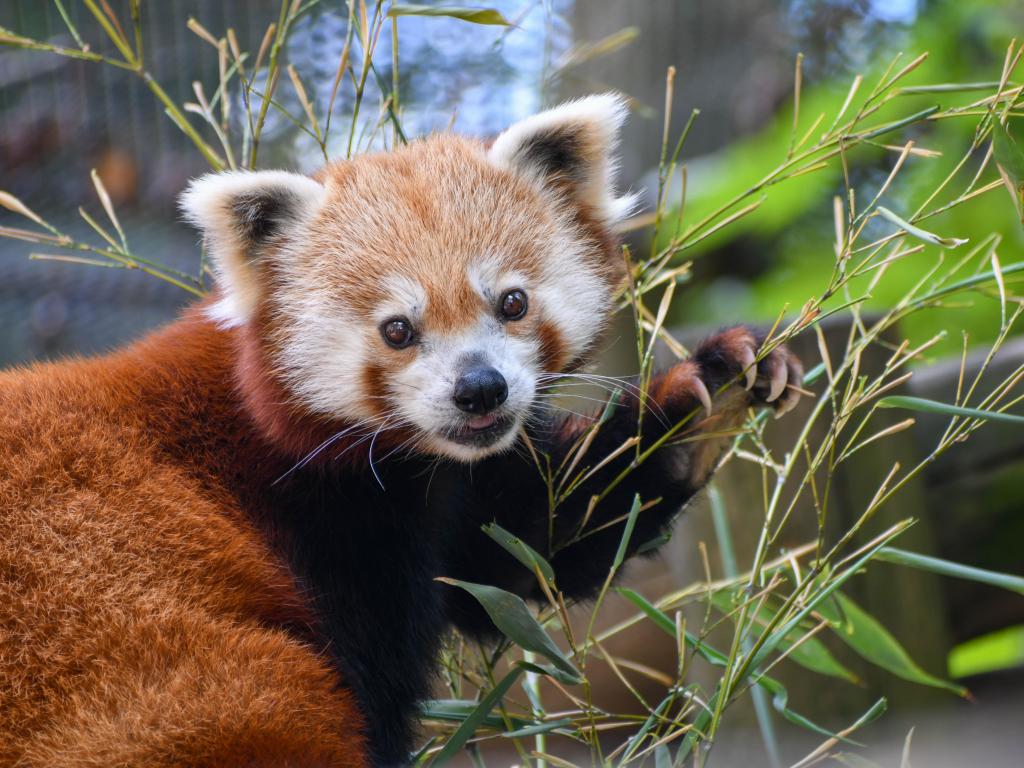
x=367, y=547
x=367, y=557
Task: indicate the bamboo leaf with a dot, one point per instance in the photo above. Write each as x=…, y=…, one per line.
x=920, y=234
x=472, y=15
x=653, y=719
x=866, y=635
x=520, y=550
x=536, y=728
x=627, y=533
x=955, y=570
x=477, y=717
x=933, y=406
x=968, y=283
x=1009, y=158
x=512, y=616
x=457, y=710
x=780, y=701
x=1008, y=154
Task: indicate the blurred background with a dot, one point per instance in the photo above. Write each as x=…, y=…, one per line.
x=60, y=118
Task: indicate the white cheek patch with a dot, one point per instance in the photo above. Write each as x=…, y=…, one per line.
x=572, y=295
x=323, y=353
x=325, y=347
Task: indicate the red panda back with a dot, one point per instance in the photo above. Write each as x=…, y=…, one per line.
x=142, y=617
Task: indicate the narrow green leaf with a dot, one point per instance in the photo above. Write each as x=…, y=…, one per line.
x=627, y=533
x=547, y=670
x=951, y=87
x=663, y=622
x=477, y=717
x=512, y=616
x=662, y=757
x=472, y=15
x=780, y=701
x=966, y=284
x=656, y=543
x=821, y=595
x=881, y=130
x=933, y=406
x=814, y=374
x=948, y=568
x=610, y=406
x=536, y=728
x=1010, y=161
x=520, y=550
x=920, y=234
x=637, y=738
x=866, y=635
x=1008, y=154
x=993, y=652
x=457, y=710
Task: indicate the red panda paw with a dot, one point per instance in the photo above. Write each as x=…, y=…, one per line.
x=680, y=390
x=731, y=356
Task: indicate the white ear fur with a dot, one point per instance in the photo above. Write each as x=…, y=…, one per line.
x=240, y=212
x=574, y=142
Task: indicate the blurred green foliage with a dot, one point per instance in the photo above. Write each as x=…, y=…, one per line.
x=791, y=235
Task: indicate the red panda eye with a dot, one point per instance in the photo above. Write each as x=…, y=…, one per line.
x=513, y=305
x=397, y=332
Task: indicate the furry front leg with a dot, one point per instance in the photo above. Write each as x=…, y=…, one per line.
x=578, y=525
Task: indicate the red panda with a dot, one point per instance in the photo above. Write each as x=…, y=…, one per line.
x=219, y=545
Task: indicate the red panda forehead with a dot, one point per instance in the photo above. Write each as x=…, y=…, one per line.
x=437, y=213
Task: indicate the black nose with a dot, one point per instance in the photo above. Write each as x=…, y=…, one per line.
x=480, y=390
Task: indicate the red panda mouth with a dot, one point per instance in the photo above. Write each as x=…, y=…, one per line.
x=486, y=421
x=482, y=430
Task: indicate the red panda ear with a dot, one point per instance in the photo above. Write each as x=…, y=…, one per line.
x=241, y=215
x=571, y=146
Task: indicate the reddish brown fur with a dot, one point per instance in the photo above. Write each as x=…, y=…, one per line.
x=486, y=210
x=552, y=349
x=143, y=619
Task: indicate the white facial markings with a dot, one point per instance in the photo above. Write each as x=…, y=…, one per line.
x=323, y=350
x=406, y=297
x=424, y=388
x=491, y=278
x=571, y=294
x=325, y=346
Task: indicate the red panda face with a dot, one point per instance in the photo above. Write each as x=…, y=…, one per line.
x=424, y=292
